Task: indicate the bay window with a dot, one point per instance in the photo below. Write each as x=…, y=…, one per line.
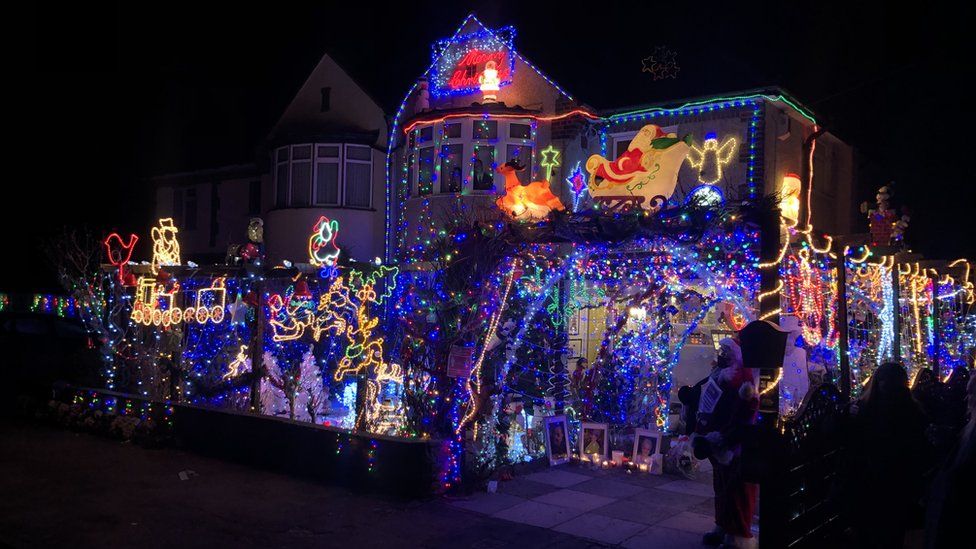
x=463, y=155
x=323, y=174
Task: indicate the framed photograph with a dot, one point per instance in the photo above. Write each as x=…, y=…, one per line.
x=575, y=348
x=647, y=443
x=594, y=438
x=557, y=439
x=573, y=323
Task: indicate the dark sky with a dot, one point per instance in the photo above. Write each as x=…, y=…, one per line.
x=116, y=93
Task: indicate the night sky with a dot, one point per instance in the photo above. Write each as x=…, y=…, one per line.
x=115, y=94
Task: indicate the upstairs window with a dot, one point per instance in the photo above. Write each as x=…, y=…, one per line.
x=324, y=174
x=359, y=174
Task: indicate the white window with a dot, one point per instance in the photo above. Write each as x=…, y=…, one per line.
x=327, y=178
x=620, y=143
x=425, y=171
x=359, y=176
x=323, y=174
x=463, y=155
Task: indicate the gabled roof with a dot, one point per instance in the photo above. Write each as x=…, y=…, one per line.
x=472, y=25
x=357, y=113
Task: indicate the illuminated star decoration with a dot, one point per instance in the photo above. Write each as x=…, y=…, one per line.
x=661, y=63
x=577, y=182
x=550, y=160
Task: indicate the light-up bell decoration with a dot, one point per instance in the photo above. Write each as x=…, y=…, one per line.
x=789, y=202
x=490, y=83
x=645, y=175
x=531, y=202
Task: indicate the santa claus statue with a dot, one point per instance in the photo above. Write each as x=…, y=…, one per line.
x=882, y=218
x=490, y=82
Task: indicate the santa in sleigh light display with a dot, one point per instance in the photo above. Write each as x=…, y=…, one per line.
x=644, y=176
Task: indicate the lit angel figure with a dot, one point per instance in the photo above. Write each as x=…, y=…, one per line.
x=490, y=83
x=711, y=158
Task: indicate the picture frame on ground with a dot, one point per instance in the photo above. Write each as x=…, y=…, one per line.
x=575, y=347
x=573, y=323
x=594, y=441
x=647, y=444
x=557, y=439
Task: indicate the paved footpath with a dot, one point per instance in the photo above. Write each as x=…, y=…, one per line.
x=59, y=488
x=609, y=506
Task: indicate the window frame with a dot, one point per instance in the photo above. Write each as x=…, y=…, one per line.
x=340, y=160
x=439, y=139
x=345, y=161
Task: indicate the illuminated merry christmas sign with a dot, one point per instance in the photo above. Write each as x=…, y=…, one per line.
x=460, y=62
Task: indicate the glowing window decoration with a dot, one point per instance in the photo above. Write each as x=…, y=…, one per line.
x=154, y=306
x=550, y=160
x=119, y=253
x=810, y=292
x=322, y=248
x=789, y=203
x=461, y=62
x=645, y=174
x=711, y=158
x=166, y=248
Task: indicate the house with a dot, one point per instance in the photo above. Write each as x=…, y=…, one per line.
x=325, y=156
x=328, y=155
x=450, y=138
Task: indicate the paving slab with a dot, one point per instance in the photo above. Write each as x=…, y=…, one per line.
x=687, y=521
x=656, y=536
x=525, y=488
x=688, y=487
x=557, y=477
x=601, y=528
x=574, y=499
x=672, y=499
x=608, y=488
x=537, y=513
x=637, y=511
x=487, y=504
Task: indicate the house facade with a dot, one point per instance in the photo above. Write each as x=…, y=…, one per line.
x=450, y=138
x=392, y=180
x=325, y=156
